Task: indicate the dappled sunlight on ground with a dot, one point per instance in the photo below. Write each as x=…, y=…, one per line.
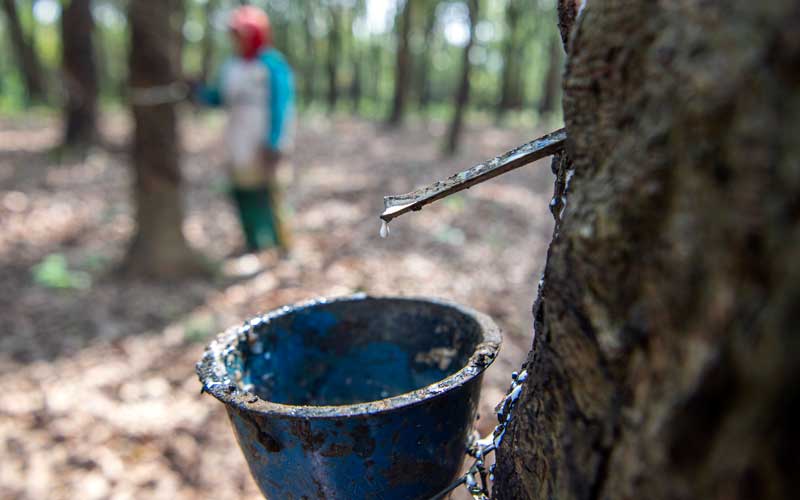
x=104, y=401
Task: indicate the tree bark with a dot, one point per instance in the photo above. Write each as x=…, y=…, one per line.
x=552, y=79
x=665, y=361
x=79, y=73
x=462, y=95
x=334, y=49
x=424, y=77
x=208, y=46
x=27, y=60
x=376, y=61
x=508, y=84
x=356, y=86
x=355, y=89
x=178, y=21
x=402, y=74
x=567, y=12
x=283, y=40
x=159, y=249
x=310, y=61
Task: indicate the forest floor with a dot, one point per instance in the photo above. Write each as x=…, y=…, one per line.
x=100, y=398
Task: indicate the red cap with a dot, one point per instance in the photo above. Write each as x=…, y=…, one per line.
x=251, y=25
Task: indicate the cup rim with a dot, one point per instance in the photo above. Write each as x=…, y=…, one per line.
x=215, y=380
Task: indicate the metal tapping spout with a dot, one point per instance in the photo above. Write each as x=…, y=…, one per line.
x=544, y=146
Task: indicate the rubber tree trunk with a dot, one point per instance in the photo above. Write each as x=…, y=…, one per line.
x=158, y=249
x=352, y=54
x=208, y=44
x=80, y=74
x=310, y=60
x=552, y=79
x=334, y=55
x=375, y=61
x=462, y=94
x=424, y=77
x=178, y=20
x=283, y=40
x=509, y=85
x=27, y=60
x=356, y=86
x=402, y=72
x=666, y=360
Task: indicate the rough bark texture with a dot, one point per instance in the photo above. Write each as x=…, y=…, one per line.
x=79, y=73
x=402, y=72
x=27, y=60
x=462, y=95
x=567, y=12
x=666, y=362
x=159, y=249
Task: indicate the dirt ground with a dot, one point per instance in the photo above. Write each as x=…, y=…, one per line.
x=100, y=399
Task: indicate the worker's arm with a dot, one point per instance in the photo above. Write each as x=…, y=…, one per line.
x=281, y=99
x=211, y=95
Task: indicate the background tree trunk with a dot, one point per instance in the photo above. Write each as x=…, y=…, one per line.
x=158, y=248
x=462, y=95
x=79, y=73
x=334, y=48
x=354, y=54
x=310, y=64
x=424, y=77
x=209, y=11
x=402, y=75
x=283, y=40
x=356, y=86
x=177, y=22
x=510, y=73
x=666, y=360
x=552, y=79
x=375, y=61
x=27, y=59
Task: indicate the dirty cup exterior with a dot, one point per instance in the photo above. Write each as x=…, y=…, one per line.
x=353, y=398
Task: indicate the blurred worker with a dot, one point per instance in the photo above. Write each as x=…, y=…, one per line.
x=256, y=88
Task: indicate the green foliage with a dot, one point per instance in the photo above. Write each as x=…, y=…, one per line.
x=455, y=203
x=54, y=272
x=12, y=92
x=199, y=327
x=450, y=235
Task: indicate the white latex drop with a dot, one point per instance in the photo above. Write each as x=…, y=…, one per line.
x=384, y=229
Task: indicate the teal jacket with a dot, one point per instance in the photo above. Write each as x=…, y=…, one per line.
x=281, y=92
